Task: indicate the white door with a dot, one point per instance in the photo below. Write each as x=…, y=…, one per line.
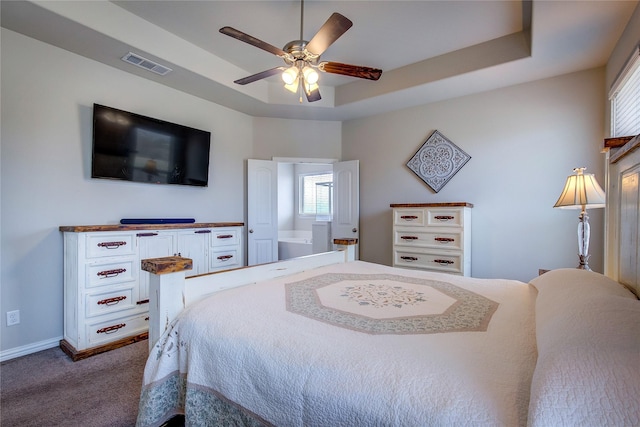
x=346, y=201
x=262, y=211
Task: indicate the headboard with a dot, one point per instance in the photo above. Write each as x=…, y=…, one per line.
x=622, y=255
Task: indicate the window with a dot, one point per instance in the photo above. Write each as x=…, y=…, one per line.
x=315, y=194
x=625, y=99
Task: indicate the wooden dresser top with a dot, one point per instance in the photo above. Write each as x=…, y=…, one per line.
x=432, y=205
x=129, y=227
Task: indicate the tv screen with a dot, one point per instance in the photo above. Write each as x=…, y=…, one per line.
x=132, y=147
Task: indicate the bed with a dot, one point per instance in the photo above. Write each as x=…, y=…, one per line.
x=329, y=341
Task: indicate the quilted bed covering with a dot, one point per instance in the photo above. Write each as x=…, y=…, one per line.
x=588, y=368
x=355, y=344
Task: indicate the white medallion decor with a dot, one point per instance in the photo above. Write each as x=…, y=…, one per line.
x=437, y=161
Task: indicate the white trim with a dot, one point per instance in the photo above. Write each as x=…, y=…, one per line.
x=625, y=73
x=303, y=160
x=12, y=353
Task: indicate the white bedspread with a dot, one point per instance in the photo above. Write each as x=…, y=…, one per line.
x=243, y=347
x=588, y=369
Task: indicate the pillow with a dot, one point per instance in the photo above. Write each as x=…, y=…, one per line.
x=588, y=337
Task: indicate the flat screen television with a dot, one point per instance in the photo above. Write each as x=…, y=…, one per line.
x=131, y=147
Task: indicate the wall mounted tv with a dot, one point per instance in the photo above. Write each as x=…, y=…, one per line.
x=132, y=147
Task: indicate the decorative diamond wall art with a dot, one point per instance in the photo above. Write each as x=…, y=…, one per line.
x=437, y=161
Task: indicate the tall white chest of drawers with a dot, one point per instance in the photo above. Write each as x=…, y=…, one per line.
x=106, y=293
x=433, y=236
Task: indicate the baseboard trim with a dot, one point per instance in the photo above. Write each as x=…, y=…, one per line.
x=12, y=353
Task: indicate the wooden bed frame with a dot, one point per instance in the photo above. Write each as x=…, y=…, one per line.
x=170, y=292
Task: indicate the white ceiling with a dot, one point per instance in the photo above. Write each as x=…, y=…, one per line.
x=428, y=50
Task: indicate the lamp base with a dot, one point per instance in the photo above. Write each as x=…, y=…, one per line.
x=584, y=231
x=584, y=263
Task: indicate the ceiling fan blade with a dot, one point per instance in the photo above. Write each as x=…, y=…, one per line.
x=350, y=70
x=330, y=31
x=313, y=95
x=237, y=34
x=259, y=76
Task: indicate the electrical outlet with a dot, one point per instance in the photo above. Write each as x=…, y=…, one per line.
x=13, y=317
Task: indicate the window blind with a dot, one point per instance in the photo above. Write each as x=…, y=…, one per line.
x=625, y=99
x=316, y=194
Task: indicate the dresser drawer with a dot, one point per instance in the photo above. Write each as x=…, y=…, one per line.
x=224, y=259
x=409, y=217
x=445, y=217
x=109, y=302
x=435, y=261
x=110, y=244
x=109, y=273
x=112, y=330
x=225, y=237
x=427, y=238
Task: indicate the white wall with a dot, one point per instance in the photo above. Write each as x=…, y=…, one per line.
x=286, y=196
x=296, y=138
x=523, y=142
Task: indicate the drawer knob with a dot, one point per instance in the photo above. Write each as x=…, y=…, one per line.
x=146, y=234
x=225, y=257
x=444, y=239
x=112, y=301
x=408, y=217
x=111, y=329
x=409, y=258
x=202, y=231
x=443, y=261
x=409, y=237
x=444, y=218
x=227, y=236
x=111, y=245
x=111, y=273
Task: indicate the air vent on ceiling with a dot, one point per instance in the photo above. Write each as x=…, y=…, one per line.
x=145, y=63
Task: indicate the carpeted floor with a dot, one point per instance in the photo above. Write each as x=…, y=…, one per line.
x=48, y=389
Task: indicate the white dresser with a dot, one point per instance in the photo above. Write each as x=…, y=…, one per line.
x=433, y=236
x=106, y=293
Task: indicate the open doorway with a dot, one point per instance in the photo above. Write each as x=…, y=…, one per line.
x=305, y=208
x=267, y=195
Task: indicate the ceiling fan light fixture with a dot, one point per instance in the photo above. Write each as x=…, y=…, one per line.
x=310, y=75
x=310, y=87
x=290, y=75
x=302, y=57
x=293, y=86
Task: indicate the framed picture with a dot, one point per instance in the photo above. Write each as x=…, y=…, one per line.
x=437, y=161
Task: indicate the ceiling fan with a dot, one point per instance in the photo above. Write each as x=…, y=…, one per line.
x=303, y=57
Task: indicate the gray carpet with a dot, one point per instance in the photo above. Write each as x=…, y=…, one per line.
x=48, y=389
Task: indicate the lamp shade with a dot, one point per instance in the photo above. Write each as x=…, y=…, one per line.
x=581, y=191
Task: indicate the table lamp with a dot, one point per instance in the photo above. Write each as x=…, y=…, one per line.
x=582, y=191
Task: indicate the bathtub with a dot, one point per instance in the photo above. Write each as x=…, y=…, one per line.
x=294, y=243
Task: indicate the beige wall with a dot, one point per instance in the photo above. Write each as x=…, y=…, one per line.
x=523, y=141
